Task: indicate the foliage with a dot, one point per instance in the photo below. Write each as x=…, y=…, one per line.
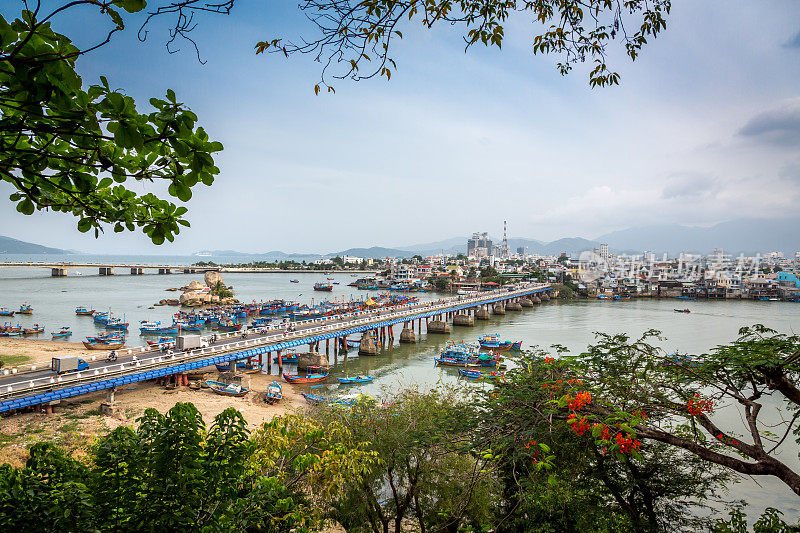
x=173, y=473
x=79, y=150
x=355, y=38
x=426, y=471
x=769, y=522
x=219, y=289
x=441, y=283
x=564, y=471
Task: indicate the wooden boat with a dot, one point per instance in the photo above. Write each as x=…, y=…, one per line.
x=82, y=311
x=242, y=366
x=162, y=341
x=308, y=378
x=286, y=358
x=493, y=342
x=682, y=310
x=496, y=366
x=294, y=281
x=227, y=389
x=11, y=334
x=355, y=379
x=477, y=374
x=317, y=399
x=325, y=287
x=4, y=311
x=35, y=330
x=621, y=298
x=65, y=332
x=274, y=392
x=25, y=309
x=685, y=298
x=103, y=345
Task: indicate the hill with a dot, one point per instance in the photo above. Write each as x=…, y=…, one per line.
x=14, y=246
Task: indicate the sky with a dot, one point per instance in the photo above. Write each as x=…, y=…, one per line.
x=704, y=128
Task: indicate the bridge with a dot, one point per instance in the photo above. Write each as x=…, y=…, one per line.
x=60, y=269
x=21, y=388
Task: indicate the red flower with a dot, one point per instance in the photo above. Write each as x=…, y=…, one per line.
x=580, y=399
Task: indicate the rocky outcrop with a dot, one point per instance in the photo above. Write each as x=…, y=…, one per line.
x=463, y=320
x=194, y=286
x=367, y=345
x=211, y=278
x=305, y=360
x=407, y=336
x=438, y=326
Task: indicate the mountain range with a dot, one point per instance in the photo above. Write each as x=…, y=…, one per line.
x=748, y=236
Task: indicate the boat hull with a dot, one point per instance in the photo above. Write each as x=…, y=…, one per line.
x=103, y=345
x=223, y=390
x=355, y=380
x=314, y=378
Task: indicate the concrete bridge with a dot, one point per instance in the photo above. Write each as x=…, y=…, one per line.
x=30, y=386
x=61, y=269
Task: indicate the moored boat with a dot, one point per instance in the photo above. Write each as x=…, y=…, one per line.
x=310, y=377
x=493, y=341
x=65, y=332
x=274, y=392
x=355, y=379
x=322, y=286
x=294, y=281
x=286, y=358
x=478, y=374
x=5, y=311
x=227, y=389
x=103, y=345
x=682, y=310
x=35, y=330
x=317, y=399
x=83, y=311
x=25, y=309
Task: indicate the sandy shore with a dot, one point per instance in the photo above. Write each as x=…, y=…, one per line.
x=28, y=351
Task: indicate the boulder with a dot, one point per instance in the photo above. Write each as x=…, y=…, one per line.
x=463, y=320
x=367, y=345
x=438, y=326
x=212, y=278
x=195, y=286
x=194, y=298
x=407, y=336
x=305, y=360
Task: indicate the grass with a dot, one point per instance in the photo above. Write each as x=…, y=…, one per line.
x=69, y=427
x=14, y=360
x=86, y=414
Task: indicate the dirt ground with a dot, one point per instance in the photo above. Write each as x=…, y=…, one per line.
x=21, y=351
x=76, y=423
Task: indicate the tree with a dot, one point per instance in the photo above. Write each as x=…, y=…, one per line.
x=175, y=474
x=76, y=149
x=354, y=39
x=644, y=395
x=426, y=471
x=338, y=261
x=563, y=471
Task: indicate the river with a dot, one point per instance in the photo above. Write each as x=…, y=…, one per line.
x=571, y=324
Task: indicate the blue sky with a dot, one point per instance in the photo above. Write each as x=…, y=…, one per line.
x=704, y=128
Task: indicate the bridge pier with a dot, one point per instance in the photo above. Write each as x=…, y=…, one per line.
x=58, y=272
x=106, y=271
x=165, y=271
x=367, y=345
x=135, y=271
x=407, y=335
x=462, y=319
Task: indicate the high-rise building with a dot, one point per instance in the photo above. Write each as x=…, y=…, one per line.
x=520, y=250
x=604, y=251
x=480, y=245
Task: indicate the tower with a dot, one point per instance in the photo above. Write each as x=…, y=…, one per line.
x=504, y=248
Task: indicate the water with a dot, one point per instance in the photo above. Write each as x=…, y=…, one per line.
x=571, y=324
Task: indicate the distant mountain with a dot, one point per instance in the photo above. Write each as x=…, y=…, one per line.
x=13, y=246
x=447, y=244
x=748, y=236
x=376, y=252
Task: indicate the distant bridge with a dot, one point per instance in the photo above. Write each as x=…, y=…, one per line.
x=25, y=387
x=60, y=269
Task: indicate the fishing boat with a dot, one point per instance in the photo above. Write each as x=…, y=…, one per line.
x=64, y=333
x=11, y=334
x=492, y=341
x=317, y=399
x=4, y=311
x=227, y=389
x=353, y=343
x=286, y=358
x=685, y=298
x=682, y=310
x=322, y=286
x=477, y=374
x=315, y=377
x=8, y=328
x=25, y=309
x=83, y=311
x=242, y=366
x=293, y=281
x=116, y=323
x=156, y=328
x=618, y=298
x=274, y=392
x=229, y=326
x=162, y=341
x=90, y=345
x=355, y=379
x=35, y=330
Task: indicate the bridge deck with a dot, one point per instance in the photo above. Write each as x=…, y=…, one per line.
x=18, y=390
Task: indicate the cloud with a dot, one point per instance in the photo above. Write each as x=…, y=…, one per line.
x=794, y=42
x=690, y=186
x=779, y=126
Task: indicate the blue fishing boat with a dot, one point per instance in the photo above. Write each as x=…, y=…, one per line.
x=494, y=342
x=227, y=389
x=64, y=333
x=84, y=311
x=478, y=374
x=685, y=298
x=355, y=379
x=274, y=392
x=287, y=358
x=4, y=311
x=317, y=399
x=293, y=281
x=117, y=324
x=156, y=328
x=25, y=309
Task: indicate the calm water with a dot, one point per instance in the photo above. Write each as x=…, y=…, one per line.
x=570, y=324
